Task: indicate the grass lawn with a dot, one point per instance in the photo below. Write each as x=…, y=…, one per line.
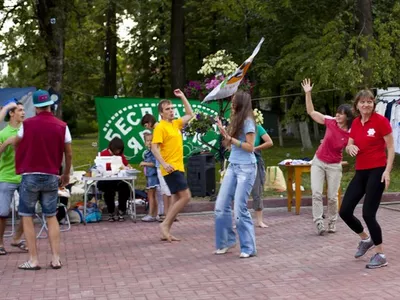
x=84, y=153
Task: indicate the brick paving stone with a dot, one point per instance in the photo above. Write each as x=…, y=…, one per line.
x=128, y=261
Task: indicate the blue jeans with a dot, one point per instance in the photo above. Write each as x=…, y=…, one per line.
x=236, y=185
x=7, y=191
x=40, y=187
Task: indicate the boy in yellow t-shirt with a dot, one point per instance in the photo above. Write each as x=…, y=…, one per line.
x=167, y=147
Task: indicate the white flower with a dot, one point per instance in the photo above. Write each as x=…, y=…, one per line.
x=258, y=116
x=218, y=62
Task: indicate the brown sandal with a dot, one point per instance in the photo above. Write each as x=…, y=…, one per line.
x=56, y=267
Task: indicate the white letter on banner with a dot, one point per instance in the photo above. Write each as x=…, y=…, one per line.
x=121, y=126
x=109, y=135
x=135, y=145
x=176, y=112
x=130, y=120
x=195, y=138
x=213, y=142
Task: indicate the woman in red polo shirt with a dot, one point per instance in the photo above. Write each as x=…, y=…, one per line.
x=327, y=162
x=370, y=136
x=115, y=147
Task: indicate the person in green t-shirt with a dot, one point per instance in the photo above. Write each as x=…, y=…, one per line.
x=9, y=181
x=256, y=193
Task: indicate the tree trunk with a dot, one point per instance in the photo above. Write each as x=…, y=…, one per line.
x=280, y=135
x=113, y=48
x=52, y=16
x=293, y=129
x=365, y=29
x=214, y=33
x=316, y=132
x=145, y=70
x=162, y=61
x=305, y=135
x=276, y=108
x=110, y=52
x=177, y=45
x=328, y=111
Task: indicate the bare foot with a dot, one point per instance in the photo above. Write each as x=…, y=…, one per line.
x=165, y=236
x=171, y=238
x=261, y=225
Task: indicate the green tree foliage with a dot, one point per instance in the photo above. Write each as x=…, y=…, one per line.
x=317, y=39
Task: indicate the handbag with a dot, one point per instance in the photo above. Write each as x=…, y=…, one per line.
x=274, y=179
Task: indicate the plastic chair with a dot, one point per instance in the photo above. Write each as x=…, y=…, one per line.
x=43, y=232
x=66, y=224
x=44, y=228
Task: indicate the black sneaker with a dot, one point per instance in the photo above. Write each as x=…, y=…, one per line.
x=111, y=218
x=121, y=216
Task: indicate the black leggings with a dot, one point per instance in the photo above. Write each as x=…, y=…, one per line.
x=109, y=188
x=368, y=183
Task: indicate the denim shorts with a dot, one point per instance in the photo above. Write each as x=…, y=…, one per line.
x=152, y=182
x=38, y=187
x=176, y=181
x=7, y=191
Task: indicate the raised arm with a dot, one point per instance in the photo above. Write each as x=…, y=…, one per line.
x=188, y=109
x=316, y=116
x=3, y=111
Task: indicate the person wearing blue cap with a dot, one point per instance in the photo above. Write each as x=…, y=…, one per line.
x=40, y=145
x=13, y=112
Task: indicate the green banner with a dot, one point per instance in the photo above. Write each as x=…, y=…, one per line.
x=120, y=117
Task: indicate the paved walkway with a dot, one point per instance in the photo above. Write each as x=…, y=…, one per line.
x=128, y=261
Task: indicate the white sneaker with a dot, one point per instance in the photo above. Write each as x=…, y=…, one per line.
x=331, y=228
x=246, y=255
x=148, y=218
x=223, y=250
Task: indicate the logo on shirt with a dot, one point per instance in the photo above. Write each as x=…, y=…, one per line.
x=371, y=132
